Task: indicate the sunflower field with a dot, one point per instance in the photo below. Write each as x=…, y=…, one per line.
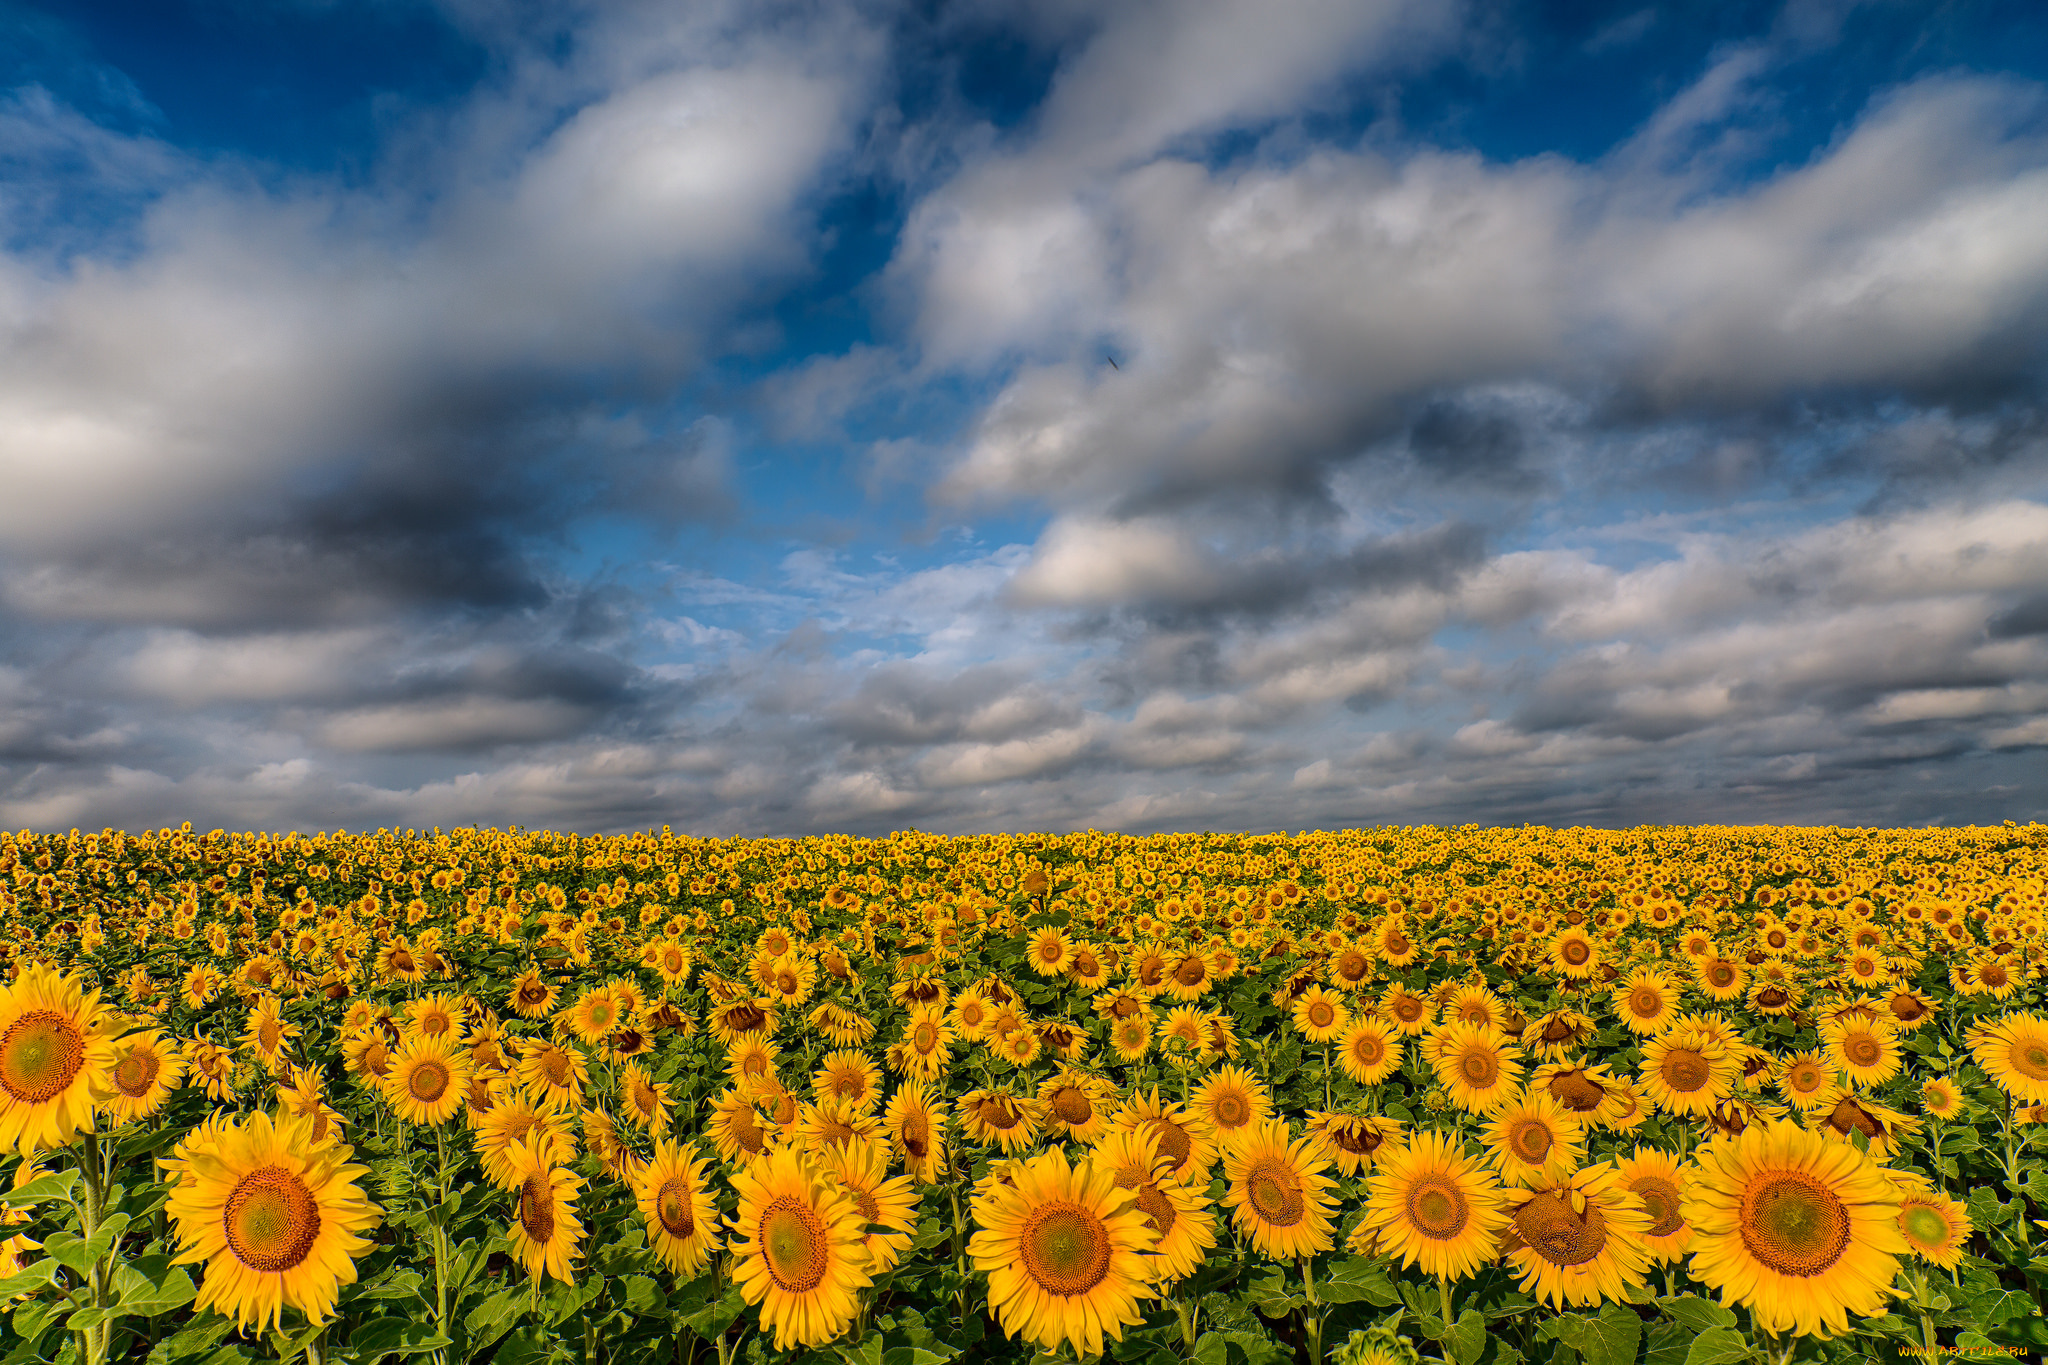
x=1672, y=1096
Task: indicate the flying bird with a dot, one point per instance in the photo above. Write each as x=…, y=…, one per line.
x=1113, y=365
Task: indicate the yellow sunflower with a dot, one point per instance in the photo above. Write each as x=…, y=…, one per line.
x=1645, y=1000
x=1077, y=1105
x=1579, y=1241
x=437, y=1015
x=1656, y=1178
x=1435, y=1207
x=1804, y=1079
x=507, y=1124
x=1478, y=1066
x=1686, y=1071
x=2013, y=1051
x=56, y=1054
x=798, y=1248
x=428, y=1082
x=1573, y=954
x=916, y=1129
x=643, y=1100
x=1352, y=1141
x=553, y=1074
x=848, y=1076
x=1533, y=1141
x=1935, y=1226
x=274, y=1216
x=1277, y=1192
x=833, y=1123
x=545, y=1233
x=1065, y=1252
x=147, y=1068
x=1181, y=1138
x=1803, y=1231
x=887, y=1207
x=1179, y=1216
x=532, y=995
x=677, y=1206
x=1232, y=1102
x=1320, y=1015
x=999, y=1118
x=1721, y=978
x=736, y=1129
x=1865, y=1050
x=1405, y=1010
x=926, y=1046
x=1940, y=1098
x=594, y=1016
x=1369, y=1052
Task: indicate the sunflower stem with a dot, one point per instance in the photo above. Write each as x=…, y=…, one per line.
x=441, y=1238
x=1929, y=1348
x=1443, y=1298
x=1312, y=1315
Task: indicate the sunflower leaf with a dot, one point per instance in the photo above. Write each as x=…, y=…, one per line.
x=1696, y=1314
x=56, y=1185
x=1718, y=1346
x=393, y=1336
x=1466, y=1340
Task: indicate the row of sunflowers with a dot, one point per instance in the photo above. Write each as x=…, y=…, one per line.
x=1676, y=1096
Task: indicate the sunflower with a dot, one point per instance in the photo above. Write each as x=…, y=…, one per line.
x=553, y=1074
x=545, y=1233
x=56, y=1055
x=1320, y=1015
x=736, y=1129
x=1232, y=1102
x=848, y=1076
x=274, y=1216
x=887, y=1207
x=2013, y=1050
x=200, y=985
x=925, y=1049
x=916, y=1129
x=1178, y=1215
x=1434, y=1206
x=1077, y=1105
x=1181, y=1138
x=677, y=1205
x=1842, y=1114
x=1131, y=1038
x=1578, y=1241
x=1645, y=1000
x=1277, y=1192
x=396, y=961
x=1477, y=1066
x=1721, y=978
x=1656, y=1178
x=1368, y=1052
x=1802, y=1231
x=1573, y=954
x=213, y=1069
x=1686, y=1071
x=428, y=1081
x=642, y=1099
x=999, y=1118
x=1049, y=951
x=1351, y=1141
x=1020, y=1046
x=1935, y=1226
x=1533, y=1141
x=504, y=1126
x=972, y=1015
x=532, y=995
x=268, y=1032
x=833, y=1123
x=798, y=1248
x=1864, y=1050
x=1804, y=1078
x=147, y=1068
x=1065, y=1252
x=437, y=1015
x=1558, y=1035
x=1940, y=1099
x=1405, y=1010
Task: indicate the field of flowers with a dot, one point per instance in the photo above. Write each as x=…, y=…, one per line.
x=1677, y=1096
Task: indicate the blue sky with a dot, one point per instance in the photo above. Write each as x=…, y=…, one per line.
x=777, y=418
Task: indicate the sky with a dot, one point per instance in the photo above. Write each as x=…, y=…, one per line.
x=768, y=418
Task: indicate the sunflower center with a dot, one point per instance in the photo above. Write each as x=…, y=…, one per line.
x=1191, y=972
x=1862, y=1049
x=1924, y=1227
x=1906, y=1008
x=269, y=1035
x=1992, y=974
x=672, y=1208
x=40, y=1054
x=1660, y=1197
x=925, y=1037
x=1850, y=1115
x=1685, y=1070
x=1721, y=974
x=1805, y=1078
x=2029, y=1057
x=1396, y=943
x=1575, y=952
x=644, y=1098
x=999, y=1115
x=1359, y=1141
x=1437, y=1208
x=533, y=993
x=377, y=1059
x=916, y=1135
x=1070, y=1105
x=1274, y=1188
x=1064, y=1248
x=1366, y=1049
x=271, y=1220
x=1794, y=1223
x=537, y=1206
x=1232, y=1110
x=136, y=1072
x=1530, y=1140
x=434, y=1024
x=555, y=1066
x=1645, y=1002
x=1156, y=1207
x=1321, y=1013
x=428, y=1081
x=1547, y=1225
x=1479, y=1067
x=1172, y=1142
x=1408, y=1009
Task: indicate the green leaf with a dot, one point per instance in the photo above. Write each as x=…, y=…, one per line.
x=495, y=1316
x=642, y=1297
x=152, y=1296
x=565, y=1301
x=1718, y=1346
x=1359, y=1280
x=77, y=1253
x=56, y=1185
x=1696, y=1314
x=867, y=1352
x=1212, y=1349
x=1466, y=1341
x=201, y=1335
x=1669, y=1341
x=393, y=1336
x=39, y=1275
x=529, y=1345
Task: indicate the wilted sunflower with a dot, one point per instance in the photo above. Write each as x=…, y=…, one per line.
x=1368, y=1052
x=1277, y=1192
x=1434, y=1207
x=1478, y=1066
x=274, y=1216
x=916, y=1129
x=1232, y=1102
x=428, y=1081
x=532, y=995
x=1578, y=1241
x=1803, y=1231
x=677, y=1206
x=1686, y=1072
x=1352, y=1141
x=1065, y=1252
x=545, y=1234
x=1656, y=1178
x=147, y=1068
x=797, y=1248
x=1179, y=1216
x=56, y=1055
x=2013, y=1051
x=1533, y=1141
x=833, y=1123
x=1842, y=1115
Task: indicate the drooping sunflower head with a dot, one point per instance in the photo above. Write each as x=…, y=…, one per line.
x=1077, y=1104
x=1352, y=1141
